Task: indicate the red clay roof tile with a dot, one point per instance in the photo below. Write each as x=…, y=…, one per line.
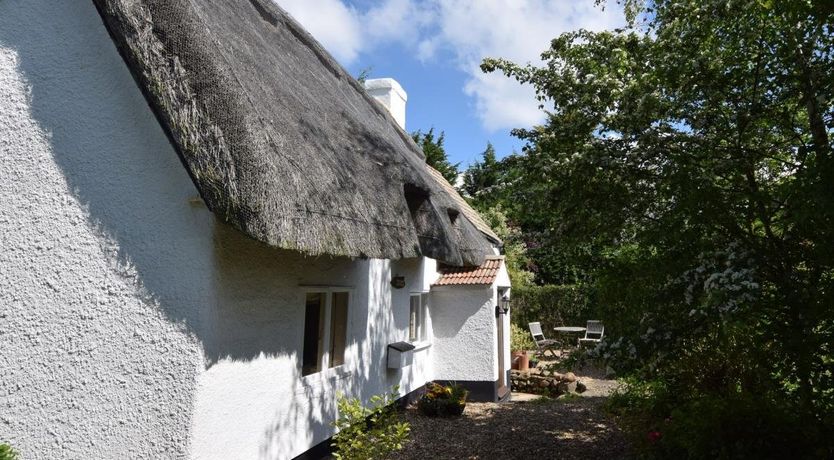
x=483, y=275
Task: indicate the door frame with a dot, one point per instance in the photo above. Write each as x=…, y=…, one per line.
x=503, y=387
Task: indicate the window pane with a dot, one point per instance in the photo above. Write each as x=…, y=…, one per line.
x=313, y=324
x=414, y=318
x=424, y=313
x=338, y=328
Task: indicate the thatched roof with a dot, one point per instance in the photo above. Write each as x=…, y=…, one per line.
x=280, y=141
x=467, y=210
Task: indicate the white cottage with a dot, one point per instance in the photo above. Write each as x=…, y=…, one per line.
x=208, y=229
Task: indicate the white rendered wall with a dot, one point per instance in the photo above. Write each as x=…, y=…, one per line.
x=132, y=323
x=258, y=405
x=428, y=273
x=416, y=279
x=464, y=343
x=97, y=361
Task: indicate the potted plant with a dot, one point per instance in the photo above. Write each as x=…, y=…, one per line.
x=520, y=342
x=442, y=400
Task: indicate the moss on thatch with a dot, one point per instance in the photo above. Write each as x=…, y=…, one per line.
x=280, y=141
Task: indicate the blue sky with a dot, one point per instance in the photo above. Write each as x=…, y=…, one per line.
x=433, y=48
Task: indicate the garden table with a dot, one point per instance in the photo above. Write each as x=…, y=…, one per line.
x=570, y=330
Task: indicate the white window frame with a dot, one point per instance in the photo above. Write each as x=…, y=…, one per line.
x=421, y=320
x=324, y=359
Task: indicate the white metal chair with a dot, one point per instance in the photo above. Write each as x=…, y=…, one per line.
x=594, y=331
x=542, y=343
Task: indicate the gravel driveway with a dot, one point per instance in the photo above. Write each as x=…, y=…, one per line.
x=573, y=428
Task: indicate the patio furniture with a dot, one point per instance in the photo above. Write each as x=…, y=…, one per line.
x=593, y=332
x=570, y=330
x=542, y=343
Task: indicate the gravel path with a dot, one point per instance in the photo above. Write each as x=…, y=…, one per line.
x=573, y=428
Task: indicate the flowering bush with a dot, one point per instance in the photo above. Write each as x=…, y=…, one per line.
x=442, y=400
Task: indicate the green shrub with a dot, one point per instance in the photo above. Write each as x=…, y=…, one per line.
x=520, y=339
x=638, y=396
x=734, y=427
x=578, y=358
x=551, y=305
x=366, y=433
x=665, y=424
x=7, y=453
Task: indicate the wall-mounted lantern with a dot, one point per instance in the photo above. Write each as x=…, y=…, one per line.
x=503, y=306
x=398, y=281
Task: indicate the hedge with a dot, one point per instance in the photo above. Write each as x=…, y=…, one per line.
x=552, y=305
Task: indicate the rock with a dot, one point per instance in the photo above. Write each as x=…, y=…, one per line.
x=561, y=388
x=566, y=387
x=580, y=387
x=570, y=377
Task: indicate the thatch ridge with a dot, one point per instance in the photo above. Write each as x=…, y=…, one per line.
x=280, y=141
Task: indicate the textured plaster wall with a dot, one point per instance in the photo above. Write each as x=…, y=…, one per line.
x=257, y=405
x=94, y=224
x=132, y=323
x=417, y=274
x=464, y=333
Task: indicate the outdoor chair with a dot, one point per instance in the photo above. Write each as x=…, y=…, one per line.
x=593, y=332
x=542, y=343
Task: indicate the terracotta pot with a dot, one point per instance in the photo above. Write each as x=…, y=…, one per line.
x=520, y=360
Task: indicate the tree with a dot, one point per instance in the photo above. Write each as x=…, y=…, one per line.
x=436, y=154
x=482, y=180
x=515, y=251
x=687, y=161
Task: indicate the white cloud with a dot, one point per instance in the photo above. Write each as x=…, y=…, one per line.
x=346, y=31
x=464, y=30
x=518, y=30
x=334, y=24
x=501, y=102
x=396, y=20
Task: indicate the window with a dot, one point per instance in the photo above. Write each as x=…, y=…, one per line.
x=325, y=330
x=417, y=313
x=338, y=328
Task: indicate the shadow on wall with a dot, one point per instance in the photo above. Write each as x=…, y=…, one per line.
x=255, y=300
x=315, y=402
x=202, y=274
x=451, y=308
x=121, y=168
